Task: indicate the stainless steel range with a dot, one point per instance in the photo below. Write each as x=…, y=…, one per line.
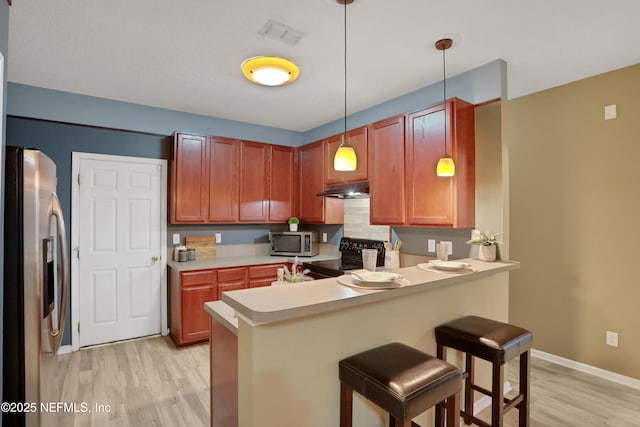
x=350, y=258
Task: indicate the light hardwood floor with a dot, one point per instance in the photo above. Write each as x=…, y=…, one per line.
x=149, y=382
x=564, y=397
x=146, y=382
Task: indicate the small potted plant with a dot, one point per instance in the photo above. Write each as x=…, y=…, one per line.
x=487, y=244
x=293, y=223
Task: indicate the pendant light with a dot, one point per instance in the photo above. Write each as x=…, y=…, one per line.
x=446, y=166
x=345, y=158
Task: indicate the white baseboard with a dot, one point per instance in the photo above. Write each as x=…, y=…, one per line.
x=592, y=370
x=64, y=349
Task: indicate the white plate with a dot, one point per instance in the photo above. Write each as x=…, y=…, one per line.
x=375, y=276
x=352, y=282
x=445, y=265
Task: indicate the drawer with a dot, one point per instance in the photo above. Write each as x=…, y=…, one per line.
x=198, y=277
x=263, y=271
x=229, y=287
x=232, y=274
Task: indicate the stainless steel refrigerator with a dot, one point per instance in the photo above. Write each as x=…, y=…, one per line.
x=35, y=288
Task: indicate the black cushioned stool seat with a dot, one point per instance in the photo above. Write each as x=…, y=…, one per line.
x=403, y=381
x=497, y=343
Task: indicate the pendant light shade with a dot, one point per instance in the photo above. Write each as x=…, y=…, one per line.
x=446, y=166
x=345, y=159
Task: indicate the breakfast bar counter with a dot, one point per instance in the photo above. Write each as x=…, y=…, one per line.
x=291, y=337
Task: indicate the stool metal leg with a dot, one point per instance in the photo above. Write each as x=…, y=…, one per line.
x=523, y=407
x=468, y=391
x=497, y=397
x=346, y=405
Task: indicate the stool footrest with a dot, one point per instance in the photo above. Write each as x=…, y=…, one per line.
x=511, y=403
x=475, y=420
x=481, y=390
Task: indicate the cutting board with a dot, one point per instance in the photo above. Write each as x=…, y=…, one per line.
x=205, y=246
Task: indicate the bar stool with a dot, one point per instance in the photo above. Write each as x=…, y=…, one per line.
x=403, y=381
x=497, y=343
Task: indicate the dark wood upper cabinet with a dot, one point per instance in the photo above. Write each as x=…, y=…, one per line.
x=254, y=181
x=224, y=155
x=356, y=138
x=283, y=183
x=387, y=165
x=433, y=200
x=311, y=182
x=225, y=180
x=189, y=179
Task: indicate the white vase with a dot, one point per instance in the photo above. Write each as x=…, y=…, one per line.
x=487, y=253
x=293, y=227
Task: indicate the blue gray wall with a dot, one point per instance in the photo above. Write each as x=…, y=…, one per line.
x=47, y=104
x=66, y=122
x=59, y=140
x=4, y=48
x=475, y=86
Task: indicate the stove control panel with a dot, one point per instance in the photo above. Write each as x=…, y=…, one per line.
x=352, y=247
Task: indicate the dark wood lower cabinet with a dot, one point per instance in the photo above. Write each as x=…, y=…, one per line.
x=263, y=275
x=232, y=279
x=189, y=290
x=195, y=320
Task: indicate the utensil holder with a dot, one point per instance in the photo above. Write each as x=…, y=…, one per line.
x=392, y=259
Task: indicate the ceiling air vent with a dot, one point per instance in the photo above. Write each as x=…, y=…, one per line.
x=278, y=31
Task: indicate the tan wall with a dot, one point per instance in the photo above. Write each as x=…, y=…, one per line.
x=575, y=203
x=491, y=189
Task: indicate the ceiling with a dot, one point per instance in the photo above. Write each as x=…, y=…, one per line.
x=186, y=55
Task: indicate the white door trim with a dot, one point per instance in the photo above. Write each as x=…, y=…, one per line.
x=76, y=157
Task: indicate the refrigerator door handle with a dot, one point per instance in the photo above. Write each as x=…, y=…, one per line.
x=54, y=210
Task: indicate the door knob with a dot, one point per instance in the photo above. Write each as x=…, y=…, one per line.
x=154, y=258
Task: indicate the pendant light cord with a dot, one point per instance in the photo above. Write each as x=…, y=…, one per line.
x=444, y=99
x=345, y=74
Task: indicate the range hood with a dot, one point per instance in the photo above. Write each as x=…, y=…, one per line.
x=358, y=190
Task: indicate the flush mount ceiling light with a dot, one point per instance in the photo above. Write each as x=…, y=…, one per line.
x=270, y=70
x=345, y=158
x=446, y=166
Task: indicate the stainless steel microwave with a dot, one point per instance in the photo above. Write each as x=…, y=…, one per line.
x=300, y=243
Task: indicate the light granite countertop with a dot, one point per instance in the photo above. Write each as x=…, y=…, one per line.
x=278, y=303
x=237, y=261
x=223, y=314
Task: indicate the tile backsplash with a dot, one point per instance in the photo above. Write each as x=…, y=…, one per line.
x=356, y=221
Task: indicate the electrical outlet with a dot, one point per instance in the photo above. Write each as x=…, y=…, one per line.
x=218, y=238
x=324, y=237
x=610, y=112
x=431, y=246
x=176, y=239
x=450, y=246
x=612, y=339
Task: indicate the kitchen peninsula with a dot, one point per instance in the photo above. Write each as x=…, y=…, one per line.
x=290, y=339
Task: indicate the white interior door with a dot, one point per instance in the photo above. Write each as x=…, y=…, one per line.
x=118, y=250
